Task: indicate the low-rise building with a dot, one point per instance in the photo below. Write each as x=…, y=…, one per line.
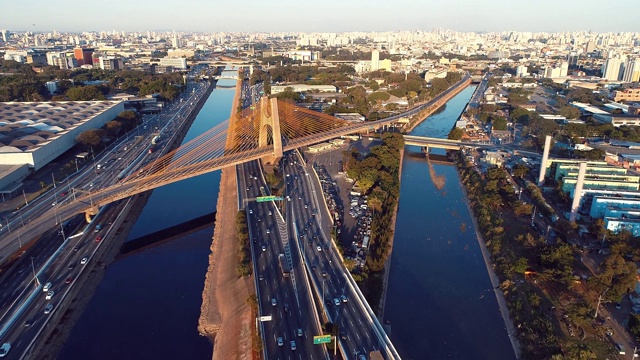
x=629, y=94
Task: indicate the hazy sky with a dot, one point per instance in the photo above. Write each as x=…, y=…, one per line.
x=321, y=16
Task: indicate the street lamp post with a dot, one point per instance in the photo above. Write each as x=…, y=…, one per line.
x=8, y=225
x=534, y=214
x=26, y=203
x=35, y=277
x=599, y=302
x=323, y=280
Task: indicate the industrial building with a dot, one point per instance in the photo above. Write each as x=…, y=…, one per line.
x=32, y=134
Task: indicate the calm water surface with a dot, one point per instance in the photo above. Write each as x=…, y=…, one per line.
x=440, y=301
x=148, y=304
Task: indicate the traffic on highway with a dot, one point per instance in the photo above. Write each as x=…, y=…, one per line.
x=37, y=283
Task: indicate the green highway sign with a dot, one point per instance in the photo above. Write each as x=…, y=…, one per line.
x=268, y=198
x=321, y=339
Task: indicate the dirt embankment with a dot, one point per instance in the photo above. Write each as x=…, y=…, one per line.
x=225, y=315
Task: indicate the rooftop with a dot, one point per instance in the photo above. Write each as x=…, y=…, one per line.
x=25, y=126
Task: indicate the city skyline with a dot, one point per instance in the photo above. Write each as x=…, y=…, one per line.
x=328, y=16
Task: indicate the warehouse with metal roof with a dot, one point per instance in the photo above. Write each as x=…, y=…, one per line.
x=35, y=133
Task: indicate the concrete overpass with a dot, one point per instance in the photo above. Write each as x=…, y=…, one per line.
x=429, y=142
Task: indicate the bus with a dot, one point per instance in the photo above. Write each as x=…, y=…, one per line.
x=284, y=266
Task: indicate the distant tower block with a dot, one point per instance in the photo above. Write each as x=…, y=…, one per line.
x=577, y=193
x=545, y=158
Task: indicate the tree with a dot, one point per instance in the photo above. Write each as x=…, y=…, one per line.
x=520, y=115
x=90, y=138
x=378, y=97
x=85, y=93
x=114, y=127
x=520, y=171
x=455, y=134
x=570, y=112
x=499, y=123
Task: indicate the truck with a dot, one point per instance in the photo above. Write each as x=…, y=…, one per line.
x=284, y=266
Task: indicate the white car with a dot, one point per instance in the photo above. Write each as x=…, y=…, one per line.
x=46, y=287
x=84, y=260
x=4, y=349
x=319, y=248
x=49, y=295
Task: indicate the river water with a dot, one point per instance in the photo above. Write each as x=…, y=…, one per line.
x=440, y=301
x=148, y=304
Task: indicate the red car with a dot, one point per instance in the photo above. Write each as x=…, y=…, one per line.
x=98, y=238
x=69, y=280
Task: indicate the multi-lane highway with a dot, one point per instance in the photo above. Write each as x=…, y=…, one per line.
x=286, y=298
x=101, y=172
x=62, y=253
x=310, y=219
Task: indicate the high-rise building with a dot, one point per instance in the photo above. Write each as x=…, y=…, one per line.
x=83, y=56
x=522, y=70
x=632, y=70
x=5, y=35
x=572, y=59
x=611, y=69
x=375, y=60
x=591, y=46
x=175, y=42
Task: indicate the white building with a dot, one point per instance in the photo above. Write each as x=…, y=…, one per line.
x=631, y=71
x=611, y=69
x=522, y=70
x=375, y=60
x=178, y=63
x=36, y=133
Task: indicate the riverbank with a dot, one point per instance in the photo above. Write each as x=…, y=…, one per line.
x=387, y=264
x=225, y=315
x=70, y=310
x=502, y=302
x=438, y=102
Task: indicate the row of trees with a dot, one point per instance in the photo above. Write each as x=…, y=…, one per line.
x=244, y=250
x=516, y=250
x=378, y=175
x=97, y=138
x=537, y=334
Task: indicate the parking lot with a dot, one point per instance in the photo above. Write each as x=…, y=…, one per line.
x=349, y=209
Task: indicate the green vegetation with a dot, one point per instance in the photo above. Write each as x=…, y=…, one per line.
x=378, y=175
x=244, y=251
x=97, y=138
x=552, y=295
x=26, y=85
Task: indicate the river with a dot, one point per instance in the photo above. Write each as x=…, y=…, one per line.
x=440, y=301
x=148, y=304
